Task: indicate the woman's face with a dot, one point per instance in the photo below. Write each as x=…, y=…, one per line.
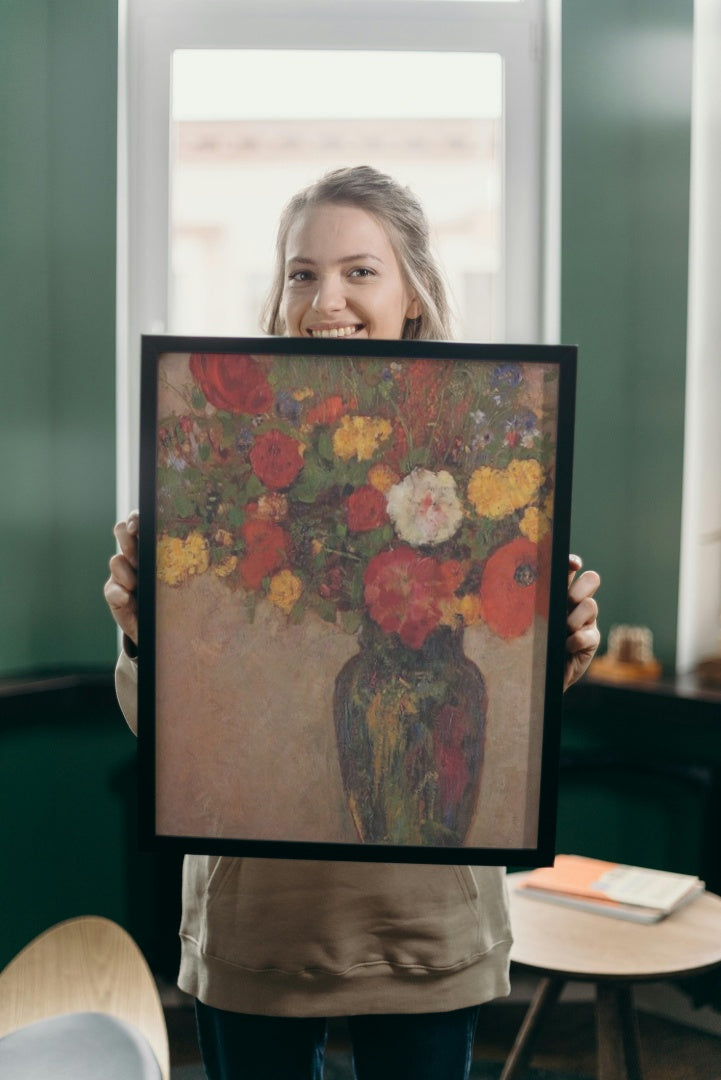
x=342, y=277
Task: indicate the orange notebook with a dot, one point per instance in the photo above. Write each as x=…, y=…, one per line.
x=631, y=892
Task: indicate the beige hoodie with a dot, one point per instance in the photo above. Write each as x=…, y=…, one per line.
x=285, y=937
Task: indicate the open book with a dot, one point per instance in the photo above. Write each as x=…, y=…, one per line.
x=608, y=888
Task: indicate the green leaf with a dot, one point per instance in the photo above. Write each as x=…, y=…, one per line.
x=350, y=621
x=304, y=493
x=229, y=425
x=296, y=615
x=253, y=487
x=235, y=515
x=417, y=456
x=326, y=610
x=325, y=446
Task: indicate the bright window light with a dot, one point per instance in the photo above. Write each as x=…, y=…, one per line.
x=250, y=127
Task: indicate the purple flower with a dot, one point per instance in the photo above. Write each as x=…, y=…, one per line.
x=287, y=407
x=506, y=375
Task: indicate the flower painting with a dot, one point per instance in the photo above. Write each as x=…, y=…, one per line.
x=351, y=591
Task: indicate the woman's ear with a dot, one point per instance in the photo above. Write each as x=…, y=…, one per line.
x=415, y=309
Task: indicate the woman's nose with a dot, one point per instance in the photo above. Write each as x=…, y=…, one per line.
x=329, y=295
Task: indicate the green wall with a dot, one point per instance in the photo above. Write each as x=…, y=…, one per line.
x=58, y=72
x=626, y=145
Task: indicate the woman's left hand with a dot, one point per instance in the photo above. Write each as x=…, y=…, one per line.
x=583, y=635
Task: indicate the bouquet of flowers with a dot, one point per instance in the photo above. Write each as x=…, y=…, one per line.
x=416, y=493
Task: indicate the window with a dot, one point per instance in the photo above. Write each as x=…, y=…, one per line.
x=227, y=105
x=235, y=160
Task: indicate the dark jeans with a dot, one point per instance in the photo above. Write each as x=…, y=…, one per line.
x=417, y=1046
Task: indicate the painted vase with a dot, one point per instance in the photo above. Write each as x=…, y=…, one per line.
x=410, y=725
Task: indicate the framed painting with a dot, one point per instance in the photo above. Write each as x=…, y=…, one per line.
x=352, y=597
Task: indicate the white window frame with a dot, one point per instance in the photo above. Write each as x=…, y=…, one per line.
x=699, y=597
x=526, y=34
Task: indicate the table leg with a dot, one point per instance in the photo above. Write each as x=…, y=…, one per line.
x=545, y=997
x=617, y=1033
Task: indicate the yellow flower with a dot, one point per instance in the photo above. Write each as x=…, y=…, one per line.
x=467, y=608
x=226, y=568
x=382, y=478
x=224, y=538
x=534, y=524
x=302, y=394
x=284, y=590
x=496, y=493
x=360, y=437
x=177, y=559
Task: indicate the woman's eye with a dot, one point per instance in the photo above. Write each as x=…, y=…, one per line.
x=362, y=272
x=299, y=276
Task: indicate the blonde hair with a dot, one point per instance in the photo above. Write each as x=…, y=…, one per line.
x=403, y=217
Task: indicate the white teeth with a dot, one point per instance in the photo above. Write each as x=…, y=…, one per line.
x=335, y=332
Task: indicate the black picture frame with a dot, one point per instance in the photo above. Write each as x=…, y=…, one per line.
x=253, y=451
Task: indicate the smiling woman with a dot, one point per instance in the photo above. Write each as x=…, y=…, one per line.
x=353, y=259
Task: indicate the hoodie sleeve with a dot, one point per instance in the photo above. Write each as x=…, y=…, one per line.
x=126, y=688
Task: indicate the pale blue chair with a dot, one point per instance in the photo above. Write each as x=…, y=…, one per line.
x=80, y=1003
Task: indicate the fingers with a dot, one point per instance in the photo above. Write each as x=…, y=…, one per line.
x=126, y=534
x=124, y=572
x=584, y=641
x=584, y=586
x=582, y=634
x=575, y=562
x=121, y=587
x=123, y=607
x=580, y=614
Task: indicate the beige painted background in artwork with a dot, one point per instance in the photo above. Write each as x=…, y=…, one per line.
x=245, y=735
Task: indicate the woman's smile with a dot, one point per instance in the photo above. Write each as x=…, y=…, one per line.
x=335, y=331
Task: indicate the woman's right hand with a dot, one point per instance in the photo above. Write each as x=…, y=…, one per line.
x=121, y=587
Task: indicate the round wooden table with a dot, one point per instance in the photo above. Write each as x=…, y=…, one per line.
x=563, y=944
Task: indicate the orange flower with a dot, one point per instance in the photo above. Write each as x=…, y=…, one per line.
x=327, y=411
x=508, y=588
x=266, y=549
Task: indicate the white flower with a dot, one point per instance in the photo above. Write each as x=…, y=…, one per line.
x=424, y=507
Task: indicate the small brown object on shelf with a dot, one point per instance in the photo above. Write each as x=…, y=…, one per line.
x=629, y=657
x=709, y=670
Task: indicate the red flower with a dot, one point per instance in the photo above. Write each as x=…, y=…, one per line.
x=327, y=411
x=509, y=592
x=232, y=382
x=398, y=449
x=332, y=584
x=402, y=592
x=276, y=459
x=366, y=509
x=266, y=549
